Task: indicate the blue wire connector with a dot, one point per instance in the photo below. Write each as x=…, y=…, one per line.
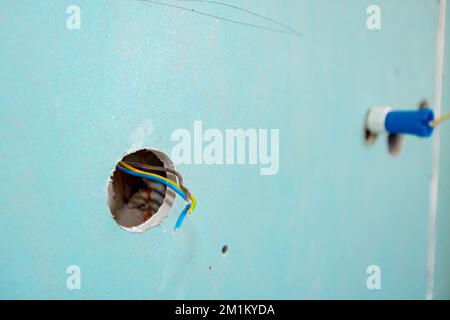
x=410, y=122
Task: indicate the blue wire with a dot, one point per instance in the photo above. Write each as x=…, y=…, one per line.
x=180, y=192
x=182, y=216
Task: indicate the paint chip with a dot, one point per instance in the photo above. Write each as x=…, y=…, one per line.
x=224, y=250
x=138, y=204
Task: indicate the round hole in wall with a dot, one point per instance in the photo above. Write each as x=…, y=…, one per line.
x=138, y=204
x=424, y=104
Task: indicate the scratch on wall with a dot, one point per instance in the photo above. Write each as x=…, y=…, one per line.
x=277, y=26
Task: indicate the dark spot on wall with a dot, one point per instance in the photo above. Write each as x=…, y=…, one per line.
x=369, y=137
x=395, y=143
x=225, y=250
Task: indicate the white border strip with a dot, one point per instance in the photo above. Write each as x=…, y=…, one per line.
x=435, y=153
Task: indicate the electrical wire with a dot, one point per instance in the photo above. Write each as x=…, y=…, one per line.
x=440, y=120
x=173, y=171
x=158, y=168
x=186, y=195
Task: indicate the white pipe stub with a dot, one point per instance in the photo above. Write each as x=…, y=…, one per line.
x=376, y=119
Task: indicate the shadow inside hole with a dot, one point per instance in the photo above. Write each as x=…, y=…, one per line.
x=424, y=104
x=369, y=137
x=394, y=142
x=224, y=250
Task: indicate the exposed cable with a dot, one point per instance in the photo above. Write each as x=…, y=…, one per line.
x=186, y=195
x=440, y=120
x=192, y=10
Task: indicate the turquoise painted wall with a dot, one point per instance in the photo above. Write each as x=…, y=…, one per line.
x=73, y=102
